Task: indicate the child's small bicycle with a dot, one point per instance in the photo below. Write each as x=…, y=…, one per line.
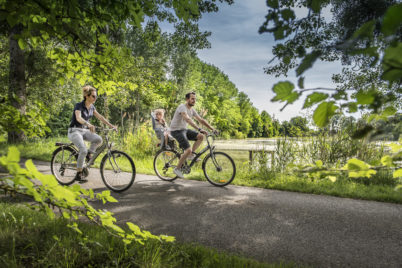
x=117, y=168
x=219, y=168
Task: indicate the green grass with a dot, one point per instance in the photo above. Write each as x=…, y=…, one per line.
x=376, y=188
x=31, y=239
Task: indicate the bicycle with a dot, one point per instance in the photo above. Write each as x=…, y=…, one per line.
x=117, y=168
x=218, y=167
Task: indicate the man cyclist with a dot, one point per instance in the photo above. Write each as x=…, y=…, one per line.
x=178, y=127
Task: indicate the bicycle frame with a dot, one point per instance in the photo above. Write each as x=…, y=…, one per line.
x=107, y=144
x=205, y=149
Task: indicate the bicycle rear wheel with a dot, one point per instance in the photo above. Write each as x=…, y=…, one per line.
x=117, y=171
x=219, y=168
x=64, y=165
x=164, y=163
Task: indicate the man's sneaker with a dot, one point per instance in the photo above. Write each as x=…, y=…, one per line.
x=192, y=156
x=178, y=173
x=80, y=177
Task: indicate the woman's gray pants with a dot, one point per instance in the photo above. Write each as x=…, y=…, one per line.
x=78, y=136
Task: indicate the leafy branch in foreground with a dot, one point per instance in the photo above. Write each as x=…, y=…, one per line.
x=71, y=202
x=375, y=44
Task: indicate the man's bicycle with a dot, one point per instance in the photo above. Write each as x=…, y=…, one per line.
x=219, y=168
x=117, y=168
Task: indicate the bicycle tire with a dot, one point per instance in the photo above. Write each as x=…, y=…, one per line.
x=61, y=163
x=164, y=163
x=222, y=175
x=117, y=171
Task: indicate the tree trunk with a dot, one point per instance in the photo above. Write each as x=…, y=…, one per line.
x=17, y=83
x=137, y=110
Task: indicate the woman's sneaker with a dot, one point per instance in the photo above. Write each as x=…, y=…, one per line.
x=80, y=177
x=178, y=173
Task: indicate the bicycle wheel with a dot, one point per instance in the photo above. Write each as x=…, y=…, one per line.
x=164, y=163
x=117, y=171
x=64, y=165
x=219, y=168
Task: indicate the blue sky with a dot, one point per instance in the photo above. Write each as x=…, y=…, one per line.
x=241, y=52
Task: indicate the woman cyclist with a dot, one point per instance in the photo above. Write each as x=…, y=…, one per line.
x=80, y=129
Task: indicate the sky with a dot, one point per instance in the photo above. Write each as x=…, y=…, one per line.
x=241, y=52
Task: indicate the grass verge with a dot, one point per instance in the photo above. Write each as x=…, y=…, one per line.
x=41, y=149
x=31, y=239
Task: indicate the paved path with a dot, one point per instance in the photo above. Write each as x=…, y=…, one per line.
x=267, y=225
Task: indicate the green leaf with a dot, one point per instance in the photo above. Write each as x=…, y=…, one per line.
x=358, y=169
x=323, y=113
x=111, y=199
x=397, y=173
x=314, y=98
x=319, y=163
x=352, y=107
x=273, y=3
x=13, y=154
x=365, y=97
x=389, y=111
x=288, y=14
x=392, y=75
x=66, y=215
x=284, y=92
x=332, y=178
x=300, y=82
x=168, y=238
x=316, y=5
x=386, y=161
x=308, y=62
x=279, y=34
x=22, y=43
x=366, y=30
x=392, y=19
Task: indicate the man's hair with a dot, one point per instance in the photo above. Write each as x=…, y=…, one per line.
x=188, y=94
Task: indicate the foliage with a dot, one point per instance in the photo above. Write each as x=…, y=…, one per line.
x=375, y=40
x=71, y=202
x=31, y=239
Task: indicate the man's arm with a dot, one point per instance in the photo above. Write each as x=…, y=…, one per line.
x=189, y=120
x=204, y=122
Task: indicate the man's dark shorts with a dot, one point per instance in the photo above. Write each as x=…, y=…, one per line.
x=183, y=136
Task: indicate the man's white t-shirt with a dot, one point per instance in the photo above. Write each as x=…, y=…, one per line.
x=178, y=122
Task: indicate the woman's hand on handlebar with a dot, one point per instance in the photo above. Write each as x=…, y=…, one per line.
x=91, y=128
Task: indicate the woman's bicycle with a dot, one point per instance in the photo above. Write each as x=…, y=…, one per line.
x=117, y=168
x=219, y=168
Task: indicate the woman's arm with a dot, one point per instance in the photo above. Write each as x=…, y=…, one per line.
x=103, y=119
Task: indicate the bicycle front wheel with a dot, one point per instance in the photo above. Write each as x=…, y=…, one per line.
x=219, y=169
x=164, y=163
x=117, y=171
x=64, y=165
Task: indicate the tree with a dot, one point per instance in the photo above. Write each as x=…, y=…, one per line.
x=86, y=29
x=300, y=124
x=371, y=42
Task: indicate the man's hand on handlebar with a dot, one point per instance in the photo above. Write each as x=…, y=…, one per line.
x=216, y=132
x=203, y=131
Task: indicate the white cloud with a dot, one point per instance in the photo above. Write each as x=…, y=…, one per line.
x=241, y=52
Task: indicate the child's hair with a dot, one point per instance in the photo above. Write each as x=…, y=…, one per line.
x=159, y=111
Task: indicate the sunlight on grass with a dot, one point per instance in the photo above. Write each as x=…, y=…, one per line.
x=246, y=175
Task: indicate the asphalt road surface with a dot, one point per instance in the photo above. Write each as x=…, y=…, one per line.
x=266, y=225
